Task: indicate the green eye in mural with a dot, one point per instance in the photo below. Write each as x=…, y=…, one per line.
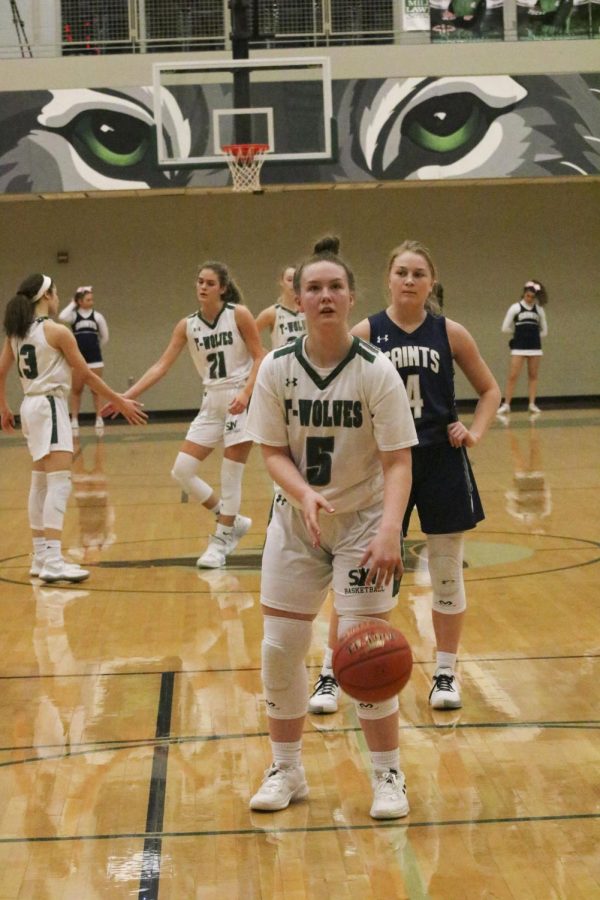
x=112, y=138
x=446, y=124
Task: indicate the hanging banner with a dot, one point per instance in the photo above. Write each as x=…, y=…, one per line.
x=415, y=15
x=540, y=20
x=466, y=20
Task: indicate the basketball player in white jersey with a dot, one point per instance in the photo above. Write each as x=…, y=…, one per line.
x=284, y=320
x=46, y=355
x=334, y=423
x=225, y=347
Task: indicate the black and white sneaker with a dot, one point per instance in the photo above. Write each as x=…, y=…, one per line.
x=445, y=693
x=324, y=698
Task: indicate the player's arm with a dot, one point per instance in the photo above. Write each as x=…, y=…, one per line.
x=249, y=332
x=543, y=322
x=362, y=330
x=6, y=360
x=466, y=353
x=162, y=365
x=265, y=320
x=383, y=555
x=284, y=472
x=62, y=339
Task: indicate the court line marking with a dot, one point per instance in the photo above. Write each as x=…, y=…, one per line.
x=107, y=746
x=237, y=832
x=152, y=852
x=156, y=672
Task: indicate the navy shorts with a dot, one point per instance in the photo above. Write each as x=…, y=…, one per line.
x=443, y=490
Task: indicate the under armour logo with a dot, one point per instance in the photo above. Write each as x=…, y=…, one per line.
x=383, y=338
x=292, y=381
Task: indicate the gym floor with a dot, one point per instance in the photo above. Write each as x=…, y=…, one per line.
x=132, y=727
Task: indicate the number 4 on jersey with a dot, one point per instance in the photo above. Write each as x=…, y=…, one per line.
x=413, y=390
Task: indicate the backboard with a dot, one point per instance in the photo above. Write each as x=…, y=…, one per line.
x=285, y=103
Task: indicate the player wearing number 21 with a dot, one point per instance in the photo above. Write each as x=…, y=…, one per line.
x=335, y=427
x=224, y=345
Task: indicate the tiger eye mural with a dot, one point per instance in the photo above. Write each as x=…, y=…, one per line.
x=388, y=129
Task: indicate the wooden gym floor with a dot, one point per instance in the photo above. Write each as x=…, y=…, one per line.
x=132, y=730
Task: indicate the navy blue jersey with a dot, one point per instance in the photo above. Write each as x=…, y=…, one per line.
x=527, y=324
x=87, y=335
x=423, y=359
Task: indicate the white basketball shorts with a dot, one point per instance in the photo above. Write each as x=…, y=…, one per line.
x=296, y=576
x=214, y=424
x=46, y=425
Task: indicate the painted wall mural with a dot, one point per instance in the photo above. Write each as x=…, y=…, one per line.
x=388, y=129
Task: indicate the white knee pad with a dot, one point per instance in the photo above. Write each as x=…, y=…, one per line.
x=285, y=645
x=184, y=473
x=57, y=496
x=37, y=496
x=445, y=553
x=367, y=709
x=231, y=487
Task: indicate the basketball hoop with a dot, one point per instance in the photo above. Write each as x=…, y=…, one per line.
x=245, y=162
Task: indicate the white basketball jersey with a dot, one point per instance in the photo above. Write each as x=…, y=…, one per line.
x=42, y=369
x=218, y=349
x=335, y=421
x=288, y=325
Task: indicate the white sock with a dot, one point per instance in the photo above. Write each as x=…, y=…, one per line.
x=39, y=547
x=382, y=760
x=53, y=551
x=445, y=660
x=287, y=756
x=216, y=509
x=327, y=667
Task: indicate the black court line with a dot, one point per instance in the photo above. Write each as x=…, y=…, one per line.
x=90, y=747
x=398, y=824
x=151, y=856
x=231, y=670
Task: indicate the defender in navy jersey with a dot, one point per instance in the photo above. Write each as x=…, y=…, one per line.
x=526, y=322
x=91, y=333
x=424, y=347
x=335, y=430
x=224, y=345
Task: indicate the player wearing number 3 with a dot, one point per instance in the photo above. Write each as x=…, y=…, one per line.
x=47, y=357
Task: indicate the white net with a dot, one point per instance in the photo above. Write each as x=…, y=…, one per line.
x=245, y=162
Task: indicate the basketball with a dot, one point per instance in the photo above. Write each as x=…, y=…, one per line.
x=372, y=661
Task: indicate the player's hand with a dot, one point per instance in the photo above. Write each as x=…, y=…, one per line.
x=132, y=410
x=460, y=436
x=238, y=404
x=8, y=420
x=383, y=557
x=312, y=504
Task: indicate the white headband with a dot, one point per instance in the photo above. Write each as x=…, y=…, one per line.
x=47, y=281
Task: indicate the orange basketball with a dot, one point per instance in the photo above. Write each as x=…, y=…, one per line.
x=372, y=661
